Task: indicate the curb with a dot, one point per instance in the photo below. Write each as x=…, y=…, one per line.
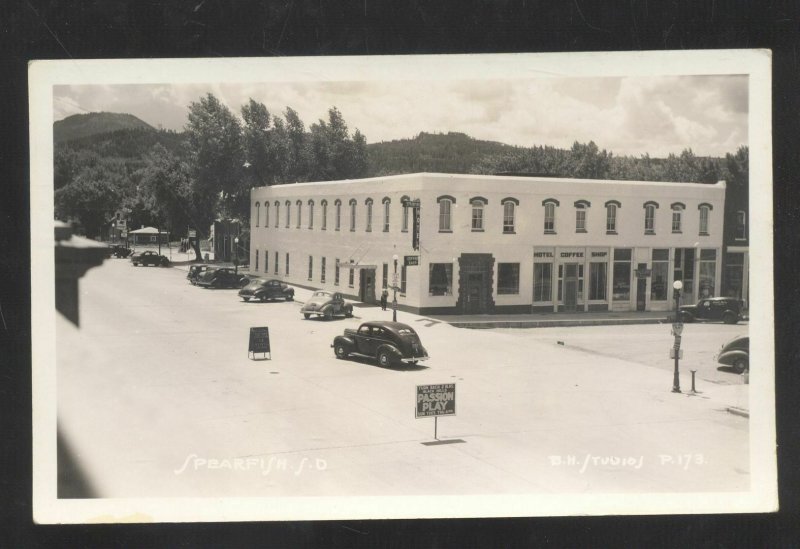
x=735, y=410
x=555, y=323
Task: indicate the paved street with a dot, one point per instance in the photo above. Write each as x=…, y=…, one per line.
x=157, y=397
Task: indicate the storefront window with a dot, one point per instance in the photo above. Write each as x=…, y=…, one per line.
x=598, y=281
x=659, y=275
x=440, y=281
x=508, y=278
x=542, y=281
x=734, y=275
x=622, y=274
x=708, y=268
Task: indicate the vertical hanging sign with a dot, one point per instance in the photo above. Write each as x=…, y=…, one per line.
x=415, y=228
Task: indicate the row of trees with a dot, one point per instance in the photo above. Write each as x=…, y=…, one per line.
x=209, y=175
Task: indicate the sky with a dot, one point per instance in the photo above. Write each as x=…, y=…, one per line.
x=624, y=115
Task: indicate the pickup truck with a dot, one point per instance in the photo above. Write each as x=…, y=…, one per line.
x=391, y=343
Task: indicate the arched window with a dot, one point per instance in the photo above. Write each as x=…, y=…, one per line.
x=650, y=217
x=310, y=214
x=299, y=213
x=324, y=204
x=266, y=216
x=353, y=214
x=580, y=215
x=288, y=213
x=704, y=208
x=368, y=202
x=478, y=203
x=386, y=207
x=258, y=213
x=277, y=213
x=338, y=204
x=677, y=216
x=445, y=213
x=404, y=201
x=611, y=216
x=550, y=205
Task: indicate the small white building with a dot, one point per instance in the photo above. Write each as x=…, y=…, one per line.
x=493, y=244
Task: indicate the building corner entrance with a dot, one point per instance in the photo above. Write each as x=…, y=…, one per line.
x=366, y=285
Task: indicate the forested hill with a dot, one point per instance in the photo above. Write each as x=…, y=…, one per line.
x=440, y=152
x=84, y=125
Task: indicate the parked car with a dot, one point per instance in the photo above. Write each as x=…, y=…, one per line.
x=390, y=343
x=149, y=257
x=736, y=354
x=264, y=290
x=726, y=309
x=327, y=304
x=196, y=271
x=221, y=277
x=118, y=250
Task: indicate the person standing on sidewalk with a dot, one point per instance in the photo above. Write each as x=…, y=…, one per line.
x=384, y=297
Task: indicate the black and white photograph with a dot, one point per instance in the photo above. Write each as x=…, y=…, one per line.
x=487, y=285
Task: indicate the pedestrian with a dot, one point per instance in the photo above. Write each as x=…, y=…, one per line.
x=384, y=297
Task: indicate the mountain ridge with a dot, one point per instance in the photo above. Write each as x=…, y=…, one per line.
x=78, y=126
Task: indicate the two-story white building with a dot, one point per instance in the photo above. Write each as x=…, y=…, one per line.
x=475, y=244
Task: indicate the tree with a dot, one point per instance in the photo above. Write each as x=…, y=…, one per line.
x=166, y=189
x=90, y=198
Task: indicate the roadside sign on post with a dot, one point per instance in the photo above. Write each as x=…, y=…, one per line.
x=677, y=328
x=192, y=233
x=434, y=401
x=259, y=343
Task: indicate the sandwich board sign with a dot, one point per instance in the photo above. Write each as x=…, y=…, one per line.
x=259, y=343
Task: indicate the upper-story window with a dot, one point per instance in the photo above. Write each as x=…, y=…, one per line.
x=478, y=203
x=338, y=205
x=352, y=214
x=445, y=213
x=288, y=213
x=368, y=202
x=405, y=202
x=677, y=216
x=386, y=208
x=580, y=215
x=324, y=205
x=704, y=208
x=509, y=214
x=611, y=216
x=741, y=225
x=277, y=213
x=310, y=214
x=299, y=213
x=650, y=217
x=550, y=205
x=266, y=214
x=258, y=213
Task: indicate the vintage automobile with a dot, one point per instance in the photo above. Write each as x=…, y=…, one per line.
x=736, y=354
x=149, y=257
x=264, y=290
x=119, y=251
x=196, y=271
x=391, y=343
x=221, y=277
x=327, y=304
x=726, y=309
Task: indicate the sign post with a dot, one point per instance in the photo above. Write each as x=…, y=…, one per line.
x=434, y=401
x=259, y=343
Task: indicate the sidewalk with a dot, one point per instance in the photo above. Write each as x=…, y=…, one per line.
x=550, y=320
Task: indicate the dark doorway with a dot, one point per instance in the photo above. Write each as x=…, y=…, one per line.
x=475, y=284
x=366, y=285
x=570, y=286
x=641, y=287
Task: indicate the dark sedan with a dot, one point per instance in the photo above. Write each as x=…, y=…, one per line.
x=196, y=271
x=222, y=277
x=149, y=257
x=264, y=290
x=736, y=354
x=390, y=343
x=725, y=309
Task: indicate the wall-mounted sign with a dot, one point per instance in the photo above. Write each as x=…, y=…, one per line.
x=436, y=400
x=411, y=260
x=415, y=229
x=259, y=342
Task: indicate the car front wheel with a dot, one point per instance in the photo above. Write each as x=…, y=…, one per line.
x=246, y=298
x=730, y=318
x=307, y=316
x=341, y=352
x=290, y=298
x=328, y=314
x=740, y=365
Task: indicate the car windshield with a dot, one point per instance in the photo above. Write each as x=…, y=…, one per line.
x=322, y=294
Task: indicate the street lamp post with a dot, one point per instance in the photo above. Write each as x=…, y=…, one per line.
x=236, y=255
x=394, y=290
x=677, y=328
